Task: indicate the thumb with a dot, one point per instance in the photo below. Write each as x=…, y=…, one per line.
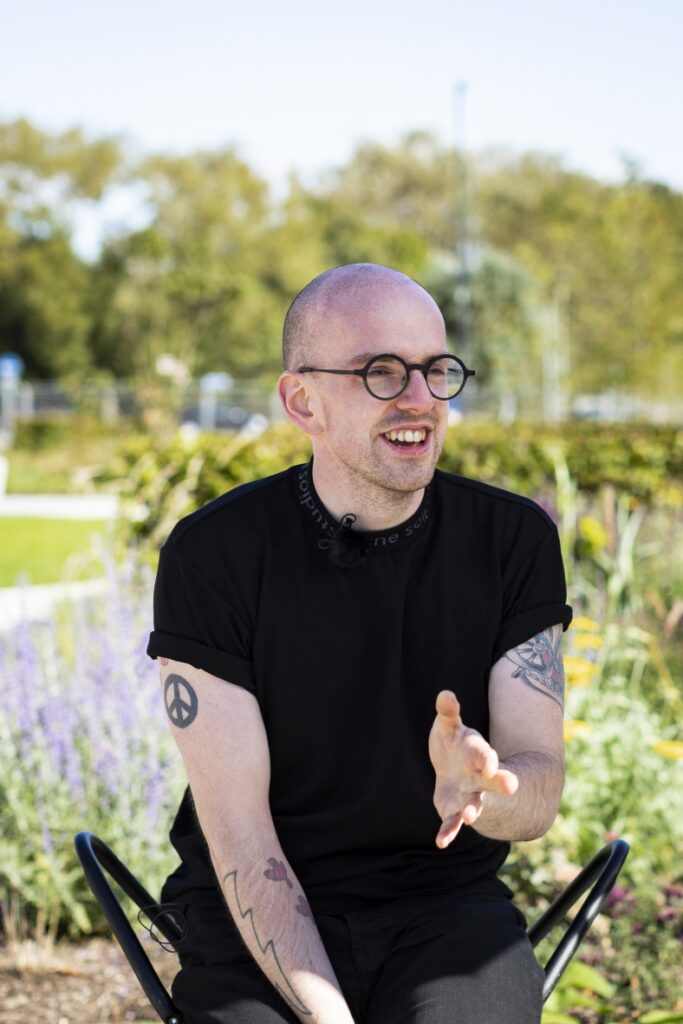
x=448, y=708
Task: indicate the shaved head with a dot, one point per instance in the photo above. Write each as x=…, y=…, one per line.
x=334, y=328
x=338, y=294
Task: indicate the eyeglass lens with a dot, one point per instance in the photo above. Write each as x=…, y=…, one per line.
x=386, y=377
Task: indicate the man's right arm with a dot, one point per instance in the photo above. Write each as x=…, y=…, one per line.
x=222, y=739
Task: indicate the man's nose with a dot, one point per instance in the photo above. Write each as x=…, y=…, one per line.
x=416, y=394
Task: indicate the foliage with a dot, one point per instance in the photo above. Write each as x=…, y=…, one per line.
x=603, y=252
x=53, y=455
x=625, y=778
x=84, y=747
x=167, y=479
x=191, y=282
x=629, y=963
x=641, y=469
x=43, y=283
x=580, y=985
x=624, y=708
x=412, y=184
x=210, y=276
x=160, y=483
x=43, y=286
x=43, y=433
x=645, y=461
x=624, y=771
x=28, y=157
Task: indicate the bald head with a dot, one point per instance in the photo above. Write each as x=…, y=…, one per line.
x=341, y=294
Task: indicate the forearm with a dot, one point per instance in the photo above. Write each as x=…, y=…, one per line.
x=528, y=813
x=272, y=915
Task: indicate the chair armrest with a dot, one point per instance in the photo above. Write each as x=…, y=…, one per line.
x=94, y=855
x=601, y=872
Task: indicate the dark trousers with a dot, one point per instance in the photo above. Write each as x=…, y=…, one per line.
x=448, y=959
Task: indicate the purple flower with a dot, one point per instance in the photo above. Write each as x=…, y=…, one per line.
x=617, y=895
x=86, y=739
x=667, y=914
x=46, y=838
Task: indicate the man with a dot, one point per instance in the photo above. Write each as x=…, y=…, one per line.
x=309, y=626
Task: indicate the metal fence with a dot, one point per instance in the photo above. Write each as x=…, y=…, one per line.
x=231, y=409
x=191, y=404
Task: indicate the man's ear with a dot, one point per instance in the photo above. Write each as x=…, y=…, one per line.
x=299, y=403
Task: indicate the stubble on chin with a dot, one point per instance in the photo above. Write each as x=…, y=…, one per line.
x=400, y=478
x=369, y=471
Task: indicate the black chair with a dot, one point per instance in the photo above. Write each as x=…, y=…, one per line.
x=599, y=875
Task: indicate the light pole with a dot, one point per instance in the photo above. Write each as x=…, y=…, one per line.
x=462, y=294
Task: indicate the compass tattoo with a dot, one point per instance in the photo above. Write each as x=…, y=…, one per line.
x=539, y=663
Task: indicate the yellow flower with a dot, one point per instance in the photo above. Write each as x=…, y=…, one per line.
x=593, y=533
x=672, y=749
x=582, y=622
x=585, y=640
x=578, y=671
x=576, y=728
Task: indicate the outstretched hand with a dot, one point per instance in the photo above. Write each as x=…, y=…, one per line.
x=466, y=768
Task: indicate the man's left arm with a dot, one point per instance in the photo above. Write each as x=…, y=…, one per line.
x=526, y=703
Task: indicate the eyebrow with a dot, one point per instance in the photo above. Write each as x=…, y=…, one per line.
x=364, y=357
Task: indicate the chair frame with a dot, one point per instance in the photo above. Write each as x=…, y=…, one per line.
x=599, y=875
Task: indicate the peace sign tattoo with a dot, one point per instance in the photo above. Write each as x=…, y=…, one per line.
x=181, y=701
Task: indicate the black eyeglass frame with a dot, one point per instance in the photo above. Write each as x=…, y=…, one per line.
x=422, y=367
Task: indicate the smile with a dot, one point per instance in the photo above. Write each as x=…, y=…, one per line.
x=407, y=440
x=409, y=436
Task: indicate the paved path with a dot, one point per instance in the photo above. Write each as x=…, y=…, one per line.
x=36, y=602
x=59, y=506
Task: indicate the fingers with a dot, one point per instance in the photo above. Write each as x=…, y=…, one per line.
x=449, y=831
x=452, y=825
x=508, y=781
x=493, y=779
x=448, y=708
x=504, y=782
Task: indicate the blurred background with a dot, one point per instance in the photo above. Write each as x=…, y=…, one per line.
x=169, y=179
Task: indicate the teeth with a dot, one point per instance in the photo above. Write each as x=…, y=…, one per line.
x=411, y=436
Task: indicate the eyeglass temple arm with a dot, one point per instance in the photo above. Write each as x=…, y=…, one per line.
x=322, y=369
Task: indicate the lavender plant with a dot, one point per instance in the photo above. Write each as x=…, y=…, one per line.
x=84, y=746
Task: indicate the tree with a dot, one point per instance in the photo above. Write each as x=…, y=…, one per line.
x=608, y=252
x=189, y=284
x=412, y=185
x=43, y=284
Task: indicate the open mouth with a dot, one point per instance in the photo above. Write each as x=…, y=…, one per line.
x=408, y=441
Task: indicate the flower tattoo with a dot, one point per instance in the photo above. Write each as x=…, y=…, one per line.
x=277, y=872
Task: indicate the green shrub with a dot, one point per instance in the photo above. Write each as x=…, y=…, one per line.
x=43, y=433
x=163, y=481
x=624, y=778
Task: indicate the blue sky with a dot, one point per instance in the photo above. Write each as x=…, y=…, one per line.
x=297, y=85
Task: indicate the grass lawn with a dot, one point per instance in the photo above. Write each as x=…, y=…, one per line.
x=36, y=550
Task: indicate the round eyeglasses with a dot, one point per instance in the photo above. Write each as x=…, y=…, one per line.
x=386, y=376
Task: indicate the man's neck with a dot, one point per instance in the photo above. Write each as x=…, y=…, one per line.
x=375, y=508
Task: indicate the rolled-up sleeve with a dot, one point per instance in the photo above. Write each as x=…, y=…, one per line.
x=198, y=623
x=534, y=595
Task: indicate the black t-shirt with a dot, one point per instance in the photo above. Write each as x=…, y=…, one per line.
x=346, y=638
